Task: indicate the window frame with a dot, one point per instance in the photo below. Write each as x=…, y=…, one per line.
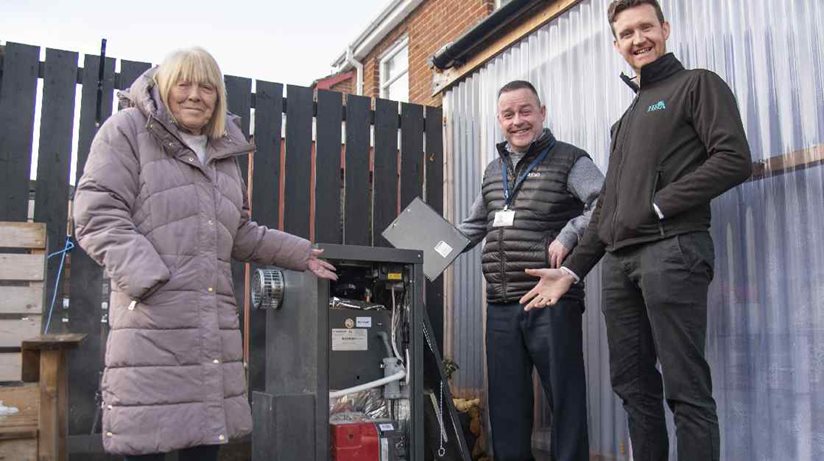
x=385, y=58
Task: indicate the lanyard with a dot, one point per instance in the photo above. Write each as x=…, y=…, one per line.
x=509, y=196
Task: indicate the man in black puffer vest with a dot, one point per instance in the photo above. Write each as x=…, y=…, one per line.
x=680, y=144
x=535, y=202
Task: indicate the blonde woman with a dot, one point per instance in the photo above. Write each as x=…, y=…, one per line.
x=163, y=207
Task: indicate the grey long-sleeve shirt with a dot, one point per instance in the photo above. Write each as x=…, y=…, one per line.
x=584, y=181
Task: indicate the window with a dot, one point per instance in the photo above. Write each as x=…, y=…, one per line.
x=394, y=72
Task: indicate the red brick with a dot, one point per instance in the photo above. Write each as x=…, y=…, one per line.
x=433, y=24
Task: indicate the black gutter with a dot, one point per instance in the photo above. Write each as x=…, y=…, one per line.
x=474, y=39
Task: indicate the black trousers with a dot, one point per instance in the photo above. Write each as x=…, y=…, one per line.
x=199, y=453
x=550, y=341
x=655, y=307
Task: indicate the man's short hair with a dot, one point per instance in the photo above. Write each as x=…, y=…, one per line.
x=519, y=85
x=617, y=6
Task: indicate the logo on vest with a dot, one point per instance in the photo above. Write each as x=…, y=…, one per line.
x=660, y=105
x=533, y=174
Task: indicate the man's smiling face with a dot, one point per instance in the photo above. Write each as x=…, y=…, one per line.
x=521, y=117
x=640, y=37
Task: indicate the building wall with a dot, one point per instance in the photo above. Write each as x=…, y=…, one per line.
x=765, y=339
x=432, y=25
x=347, y=86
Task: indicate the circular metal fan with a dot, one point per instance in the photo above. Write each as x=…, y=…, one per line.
x=267, y=288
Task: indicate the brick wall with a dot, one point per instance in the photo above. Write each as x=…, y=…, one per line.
x=432, y=25
x=347, y=86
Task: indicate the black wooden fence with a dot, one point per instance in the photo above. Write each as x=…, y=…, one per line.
x=313, y=186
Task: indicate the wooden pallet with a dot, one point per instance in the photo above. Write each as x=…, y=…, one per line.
x=38, y=428
x=22, y=290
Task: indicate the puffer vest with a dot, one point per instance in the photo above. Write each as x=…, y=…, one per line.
x=543, y=205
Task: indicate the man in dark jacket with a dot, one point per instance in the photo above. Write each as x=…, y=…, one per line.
x=536, y=199
x=680, y=144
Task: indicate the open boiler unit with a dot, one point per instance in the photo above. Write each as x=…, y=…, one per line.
x=352, y=370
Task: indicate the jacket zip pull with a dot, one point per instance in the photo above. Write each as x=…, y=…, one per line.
x=132, y=305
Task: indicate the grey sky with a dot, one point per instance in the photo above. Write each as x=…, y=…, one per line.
x=283, y=41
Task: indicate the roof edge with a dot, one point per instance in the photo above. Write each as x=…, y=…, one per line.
x=380, y=27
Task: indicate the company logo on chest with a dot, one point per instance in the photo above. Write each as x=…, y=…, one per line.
x=660, y=105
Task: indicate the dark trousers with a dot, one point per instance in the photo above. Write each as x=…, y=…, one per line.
x=200, y=453
x=550, y=340
x=655, y=307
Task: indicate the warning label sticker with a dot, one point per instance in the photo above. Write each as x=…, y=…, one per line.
x=346, y=339
x=443, y=248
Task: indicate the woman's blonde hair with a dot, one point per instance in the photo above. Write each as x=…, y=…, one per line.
x=194, y=65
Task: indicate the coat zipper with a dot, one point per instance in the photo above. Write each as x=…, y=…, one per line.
x=502, y=261
x=651, y=200
x=624, y=135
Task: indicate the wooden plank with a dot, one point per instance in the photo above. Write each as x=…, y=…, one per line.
x=434, y=184
x=433, y=127
x=265, y=209
x=10, y=370
x=386, y=168
x=52, y=425
x=266, y=173
x=86, y=279
x=298, y=159
x=18, y=432
x=14, y=331
x=785, y=163
x=55, y=151
x=129, y=71
x=411, y=153
x=54, y=342
x=18, y=450
x=88, y=105
x=357, y=208
x=17, y=103
x=22, y=267
x=22, y=299
x=24, y=397
x=23, y=235
x=328, y=168
x=239, y=102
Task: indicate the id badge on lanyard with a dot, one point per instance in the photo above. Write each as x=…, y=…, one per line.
x=506, y=217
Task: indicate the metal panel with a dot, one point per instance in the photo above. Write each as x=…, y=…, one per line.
x=766, y=330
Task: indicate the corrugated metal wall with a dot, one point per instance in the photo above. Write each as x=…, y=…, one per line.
x=766, y=333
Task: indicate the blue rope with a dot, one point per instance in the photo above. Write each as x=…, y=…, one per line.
x=67, y=248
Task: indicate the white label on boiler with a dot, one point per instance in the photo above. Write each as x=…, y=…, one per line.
x=363, y=322
x=349, y=339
